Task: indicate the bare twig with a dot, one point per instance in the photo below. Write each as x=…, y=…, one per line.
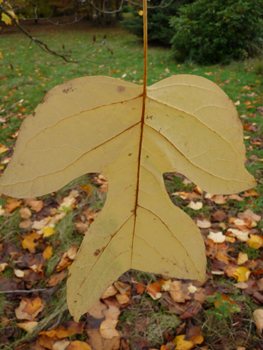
x=22, y=291
x=44, y=46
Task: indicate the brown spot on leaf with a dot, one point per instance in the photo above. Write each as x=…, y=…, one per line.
x=120, y=89
x=97, y=252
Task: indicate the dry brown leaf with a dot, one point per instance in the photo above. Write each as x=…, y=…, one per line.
x=122, y=299
x=249, y=214
x=78, y=345
x=222, y=257
x=10, y=207
x=29, y=308
x=203, y=223
x=219, y=199
x=72, y=252
x=69, y=329
x=26, y=224
x=235, y=197
x=35, y=204
x=258, y=317
x=81, y=227
x=112, y=312
x=177, y=293
x=25, y=213
x=64, y=262
x=109, y=292
x=242, y=258
x=97, y=310
x=107, y=329
x=153, y=290
x=60, y=345
x=56, y=278
x=136, y=143
x=122, y=287
x=99, y=343
x=27, y=326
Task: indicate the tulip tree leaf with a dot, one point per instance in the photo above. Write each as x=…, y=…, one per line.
x=184, y=124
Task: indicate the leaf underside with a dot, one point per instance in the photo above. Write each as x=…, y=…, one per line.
x=98, y=124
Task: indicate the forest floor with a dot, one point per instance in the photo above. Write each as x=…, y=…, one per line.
x=140, y=311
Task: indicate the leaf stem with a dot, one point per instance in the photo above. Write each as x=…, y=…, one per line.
x=145, y=42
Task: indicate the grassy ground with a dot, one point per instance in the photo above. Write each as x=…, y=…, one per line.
x=27, y=74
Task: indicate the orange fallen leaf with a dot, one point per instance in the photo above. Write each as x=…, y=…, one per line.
x=107, y=328
x=78, y=345
x=140, y=288
x=109, y=292
x=47, y=253
x=251, y=193
x=31, y=241
x=87, y=188
x=29, y=308
x=122, y=299
x=56, y=278
x=12, y=205
x=69, y=329
x=153, y=290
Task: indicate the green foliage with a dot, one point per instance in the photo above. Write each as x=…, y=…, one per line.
x=218, y=30
x=223, y=309
x=158, y=21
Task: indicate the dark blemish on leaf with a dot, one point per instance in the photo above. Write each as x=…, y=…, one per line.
x=147, y=156
x=65, y=91
x=151, y=117
x=132, y=211
x=129, y=154
x=160, y=129
x=33, y=114
x=120, y=89
x=97, y=252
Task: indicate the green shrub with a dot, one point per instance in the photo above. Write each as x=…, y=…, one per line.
x=212, y=31
x=159, y=28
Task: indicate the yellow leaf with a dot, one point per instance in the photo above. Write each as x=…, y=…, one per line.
x=140, y=13
x=48, y=231
x=4, y=149
x=242, y=258
x=131, y=138
x=242, y=274
x=30, y=242
x=27, y=326
x=48, y=252
x=255, y=241
x=1, y=56
x=7, y=19
x=182, y=344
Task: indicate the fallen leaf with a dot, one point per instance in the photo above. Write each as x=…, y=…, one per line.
x=72, y=252
x=56, y=278
x=219, y=199
x=177, y=293
x=242, y=236
x=217, y=237
x=258, y=317
x=47, y=253
x=97, y=310
x=133, y=153
x=78, y=345
x=182, y=344
x=140, y=288
x=3, y=266
x=48, y=231
x=27, y=326
x=109, y=292
x=60, y=345
x=219, y=216
x=203, y=223
x=107, y=328
x=35, y=204
x=122, y=299
x=10, y=207
x=242, y=258
x=112, y=312
x=69, y=329
x=25, y=213
x=255, y=241
x=31, y=241
x=249, y=214
x=195, y=205
x=29, y=308
x=19, y=273
x=222, y=257
x=153, y=290
x=242, y=274
x=236, y=197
